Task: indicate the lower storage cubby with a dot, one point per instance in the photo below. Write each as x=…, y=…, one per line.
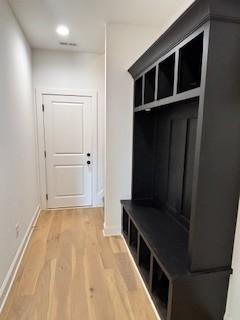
x=125, y=220
x=177, y=293
x=160, y=288
x=144, y=259
x=133, y=241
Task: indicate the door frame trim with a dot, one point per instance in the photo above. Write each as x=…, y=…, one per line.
x=41, y=163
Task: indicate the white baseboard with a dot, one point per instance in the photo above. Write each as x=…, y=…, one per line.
x=10, y=277
x=143, y=283
x=111, y=231
x=71, y=208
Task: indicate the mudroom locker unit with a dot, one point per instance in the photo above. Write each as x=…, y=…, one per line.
x=180, y=222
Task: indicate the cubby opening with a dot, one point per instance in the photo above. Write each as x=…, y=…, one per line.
x=166, y=77
x=125, y=223
x=144, y=259
x=133, y=237
x=150, y=84
x=160, y=288
x=138, y=92
x=190, y=65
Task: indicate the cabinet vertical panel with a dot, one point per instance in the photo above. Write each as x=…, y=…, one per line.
x=188, y=168
x=176, y=163
x=217, y=186
x=200, y=297
x=161, y=163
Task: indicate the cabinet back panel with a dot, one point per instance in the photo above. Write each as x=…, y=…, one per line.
x=189, y=162
x=164, y=148
x=143, y=156
x=162, y=142
x=177, y=148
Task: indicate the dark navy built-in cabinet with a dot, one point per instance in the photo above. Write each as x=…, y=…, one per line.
x=180, y=222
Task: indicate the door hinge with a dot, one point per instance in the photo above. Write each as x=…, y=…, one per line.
x=46, y=196
x=45, y=153
x=43, y=107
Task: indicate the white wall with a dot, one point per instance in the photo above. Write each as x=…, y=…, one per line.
x=233, y=305
x=18, y=182
x=124, y=44
x=72, y=70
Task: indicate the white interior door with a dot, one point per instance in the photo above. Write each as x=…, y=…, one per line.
x=68, y=143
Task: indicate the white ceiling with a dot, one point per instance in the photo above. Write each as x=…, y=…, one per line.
x=86, y=19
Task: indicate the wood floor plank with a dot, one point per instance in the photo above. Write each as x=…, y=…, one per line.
x=70, y=271
x=127, y=272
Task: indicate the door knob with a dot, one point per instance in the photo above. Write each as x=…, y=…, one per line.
x=88, y=154
x=88, y=162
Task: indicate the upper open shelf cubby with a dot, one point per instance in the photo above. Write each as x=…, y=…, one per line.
x=149, y=88
x=166, y=77
x=138, y=92
x=156, y=86
x=190, y=65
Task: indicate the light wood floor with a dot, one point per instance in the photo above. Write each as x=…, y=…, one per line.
x=71, y=272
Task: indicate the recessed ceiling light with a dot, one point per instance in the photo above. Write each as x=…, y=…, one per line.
x=62, y=30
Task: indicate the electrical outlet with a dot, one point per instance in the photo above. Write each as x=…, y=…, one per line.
x=17, y=230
